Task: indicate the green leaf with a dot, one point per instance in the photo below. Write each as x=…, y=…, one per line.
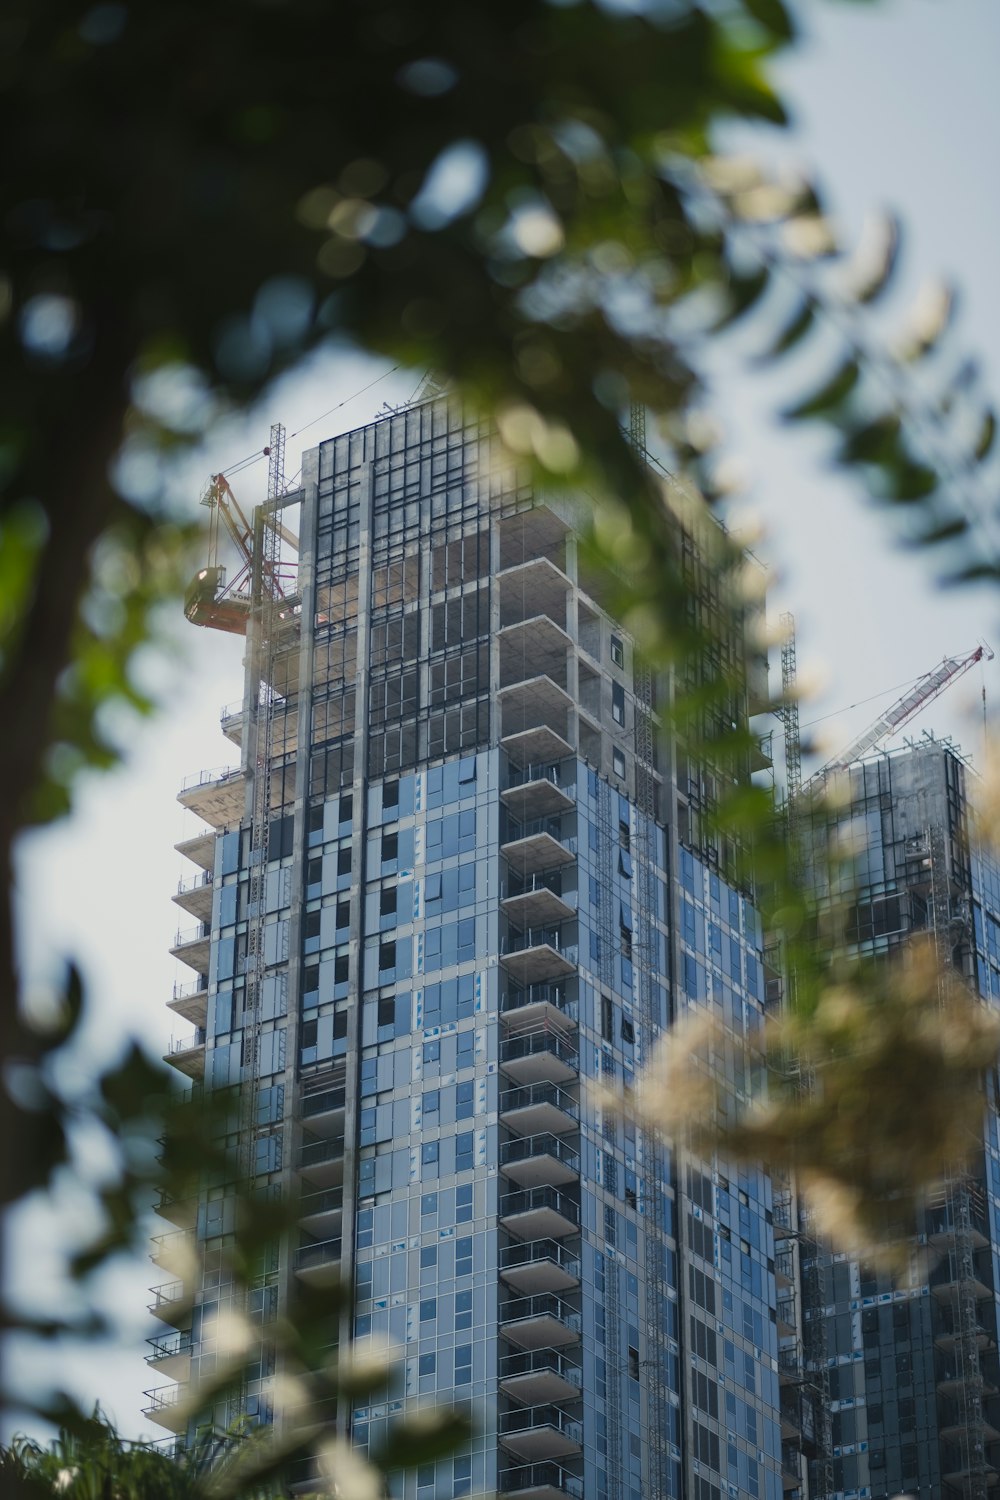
x=793, y=332
x=829, y=398
x=876, y=442
x=944, y=531
x=743, y=293
x=773, y=15
x=986, y=437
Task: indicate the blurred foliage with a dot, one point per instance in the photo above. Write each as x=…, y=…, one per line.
x=162, y=1146
x=88, y=1460
x=522, y=196
x=865, y=1104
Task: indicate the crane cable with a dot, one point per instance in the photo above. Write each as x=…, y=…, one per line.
x=255, y=457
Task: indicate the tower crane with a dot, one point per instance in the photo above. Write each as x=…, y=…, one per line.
x=923, y=692
x=222, y=605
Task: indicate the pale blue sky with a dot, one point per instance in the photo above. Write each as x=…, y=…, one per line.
x=896, y=105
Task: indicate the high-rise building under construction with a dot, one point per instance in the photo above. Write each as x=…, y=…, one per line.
x=904, y=1374
x=453, y=882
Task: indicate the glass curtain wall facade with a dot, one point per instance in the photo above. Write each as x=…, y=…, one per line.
x=477, y=903
x=913, y=1376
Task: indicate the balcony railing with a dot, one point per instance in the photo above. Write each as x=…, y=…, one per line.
x=195, y=882
x=517, y=997
x=165, y=1395
x=532, y=1252
x=313, y=1257
x=533, y=1094
x=542, y=1305
x=531, y=1200
x=540, y=1362
x=321, y=1104
x=189, y=991
x=186, y=1043
x=326, y=1201
x=531, y=885
x=539, y=1043
x=202, y=778
x=529, y=1146
x=538, y=937
x=535, y=1478
x=522, y=776
x=525, y=1417
x=192, y=934
x=168, y=1346
x=552, y=826
x=315, y=1153
x=170, y=1243
x=168, y=1294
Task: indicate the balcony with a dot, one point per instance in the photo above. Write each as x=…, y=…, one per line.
x=539, y=1213
x=958, y=1472
x=192, y=945
x=784, y=1220
x=541, y=1482
x=536, y=903
x=320, y=1213
x=324, y=1112
x=798, y=1421
x=195, y=895
x=942, y=1229
x=199, y=848
x=536, y=956
x=218, y=797
x=319, y=1262
x=535, y=647
x=171, y=1354
x=321, y=1161
x=539, y=1266
x=539, y=1161
x=187, y=1055
x=191, y=1001
x=535, y=746
x=537, y=795
x=167, y=1407
x=542, y=1322
x=539, y=1057
x=539, y=1109
x=791, y=1468
x=535, y=703
x=953, y=1425
x=531, y=588
x=538, y=846
x=171, y=1303
x=537, y=1005
x=540, y=1432
x=947, y=1292
x=784, y=1269
x=174, y=1252
x=951, y=1382
x=949, y=1337
x=540, y=1376
x=180, y=1211
x=790, y=1366
x=231, y=719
